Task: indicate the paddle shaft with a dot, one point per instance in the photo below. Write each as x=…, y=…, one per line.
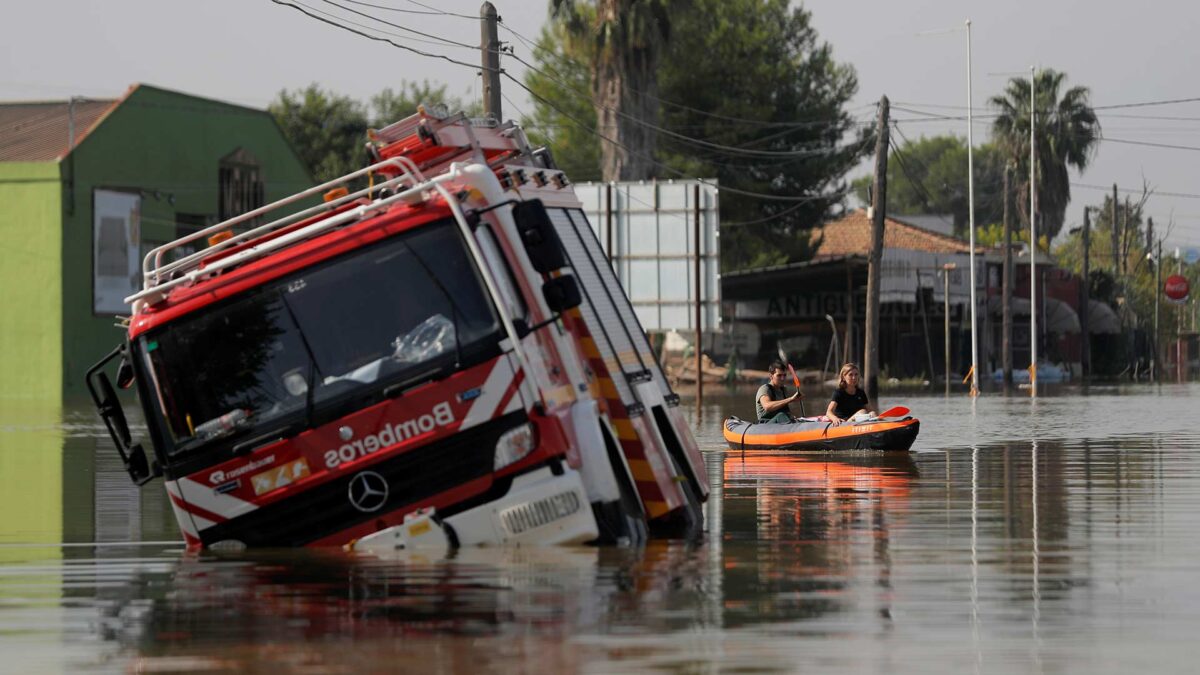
x=796, y=381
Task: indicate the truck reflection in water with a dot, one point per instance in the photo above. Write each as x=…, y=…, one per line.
x=519, y=605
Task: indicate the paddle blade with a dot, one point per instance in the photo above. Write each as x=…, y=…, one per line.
x=898, y=411
x=795, y=377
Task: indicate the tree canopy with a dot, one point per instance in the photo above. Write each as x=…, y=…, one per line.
x=748, y=94
x=929, y=176
x=1067, y=133
x=329, y=130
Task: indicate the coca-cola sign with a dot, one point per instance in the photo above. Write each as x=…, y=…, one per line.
x=1176, y=288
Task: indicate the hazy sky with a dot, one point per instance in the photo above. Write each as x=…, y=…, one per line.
x=245, y=51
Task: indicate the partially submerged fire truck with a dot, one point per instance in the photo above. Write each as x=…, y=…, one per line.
x=441, y=358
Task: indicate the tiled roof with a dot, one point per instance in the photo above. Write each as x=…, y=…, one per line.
x=852, y=235
x=39, y=132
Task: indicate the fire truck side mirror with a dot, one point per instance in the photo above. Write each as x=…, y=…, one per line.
x=561, y=293
x=139, y=468
x=110, y=410
x=108, y=406
x=539, y=236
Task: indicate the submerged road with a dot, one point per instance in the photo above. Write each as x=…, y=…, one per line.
x=1056, y=535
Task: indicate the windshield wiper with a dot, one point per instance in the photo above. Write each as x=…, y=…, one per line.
x=397, y=388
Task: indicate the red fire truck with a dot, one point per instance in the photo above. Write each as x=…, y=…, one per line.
x=436, y=354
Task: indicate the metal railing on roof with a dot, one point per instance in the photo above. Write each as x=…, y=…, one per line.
x=158, y=277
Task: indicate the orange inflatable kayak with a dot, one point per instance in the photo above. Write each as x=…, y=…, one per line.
x=811, y=434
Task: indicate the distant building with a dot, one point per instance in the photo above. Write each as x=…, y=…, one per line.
x=798, y=306
x=87, y=188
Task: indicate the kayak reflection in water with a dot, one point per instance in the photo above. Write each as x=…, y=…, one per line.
x=848, y=398
x=771, y=401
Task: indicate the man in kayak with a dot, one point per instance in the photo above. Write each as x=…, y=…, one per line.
x=771, y=401
x=848, y=398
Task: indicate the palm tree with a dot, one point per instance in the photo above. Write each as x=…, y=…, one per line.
x=1067, y=135
x=627, y=38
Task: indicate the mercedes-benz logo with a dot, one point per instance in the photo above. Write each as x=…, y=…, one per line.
x=368, y=491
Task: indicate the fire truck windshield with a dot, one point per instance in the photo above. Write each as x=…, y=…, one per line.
x=322, y=340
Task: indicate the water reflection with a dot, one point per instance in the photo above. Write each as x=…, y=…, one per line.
x=1037, y=537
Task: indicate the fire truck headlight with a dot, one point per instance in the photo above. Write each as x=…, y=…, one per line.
x=514, y=445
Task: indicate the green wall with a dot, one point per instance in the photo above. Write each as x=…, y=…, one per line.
x=167, y=146
x=31, y=332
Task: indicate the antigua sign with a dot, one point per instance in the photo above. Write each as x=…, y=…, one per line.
x=1176, y=288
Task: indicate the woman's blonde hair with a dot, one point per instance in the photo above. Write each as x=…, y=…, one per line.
x=842, y=374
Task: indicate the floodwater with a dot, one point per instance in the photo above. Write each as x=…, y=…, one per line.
x=1048, y=535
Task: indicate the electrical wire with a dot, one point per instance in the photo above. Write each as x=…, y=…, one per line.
x=310, y=13
x=728, y=149
x=669, y=169
x=1150, y=144
x=403, y=28
x=533, y=46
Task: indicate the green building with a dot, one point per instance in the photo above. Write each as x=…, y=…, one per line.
x=87, y=188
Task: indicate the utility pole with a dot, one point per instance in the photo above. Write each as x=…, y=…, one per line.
x=879, y=206
x=1116, y=237
x=1033, y=277
x=1006, y=284
x=1157, y=293
x=1085, y=291
x=971, y=223
x=946, y=269
x=699, y=305
x=490, y=46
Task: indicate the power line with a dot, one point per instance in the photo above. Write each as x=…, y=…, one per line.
x=310, y=13
x=395, y=9
x=403, y=28
x=439, y=11
x=533, y=46
x=1145, y=104
x=1152, y=145
x=1114, y=106
x=1108, y=188
x=669, y=169
x=728, y=149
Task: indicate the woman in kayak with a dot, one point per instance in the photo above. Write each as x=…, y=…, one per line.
x=848, y=398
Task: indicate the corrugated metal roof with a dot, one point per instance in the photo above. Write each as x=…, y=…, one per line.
x=39, y=131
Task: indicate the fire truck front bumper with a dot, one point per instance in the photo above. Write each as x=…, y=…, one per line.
x=540, y=509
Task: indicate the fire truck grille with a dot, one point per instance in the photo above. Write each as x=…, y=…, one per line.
x=412, y=476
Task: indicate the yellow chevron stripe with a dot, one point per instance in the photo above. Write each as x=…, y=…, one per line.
x=589, y=348
x=641, y=471
x=656, y=509
x=608, y=389
x=625, y=430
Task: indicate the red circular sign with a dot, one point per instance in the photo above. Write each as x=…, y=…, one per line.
x=1176, y=287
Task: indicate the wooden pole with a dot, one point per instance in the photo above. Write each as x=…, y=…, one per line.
x=1006, y=363
x=1086, y=298
x=870, y=369
x=608, y=218
x=1157, y=294
x=946, y=268
x=699, y=295
x=490, y=46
